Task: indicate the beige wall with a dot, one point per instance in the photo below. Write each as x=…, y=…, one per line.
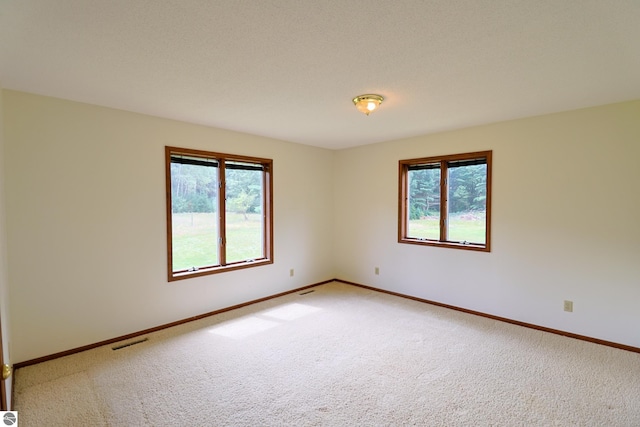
x=565, y=222
x=86, y=223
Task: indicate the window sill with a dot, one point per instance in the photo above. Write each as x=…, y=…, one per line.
x=220, y=269
x=450, y=245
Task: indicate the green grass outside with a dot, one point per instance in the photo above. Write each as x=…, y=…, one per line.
x=468, y=226
x=195, y=236
x=195, y=239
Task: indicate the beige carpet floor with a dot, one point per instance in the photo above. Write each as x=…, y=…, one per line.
x=338, y=356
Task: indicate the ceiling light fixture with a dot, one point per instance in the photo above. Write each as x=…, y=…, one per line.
x=367, y=103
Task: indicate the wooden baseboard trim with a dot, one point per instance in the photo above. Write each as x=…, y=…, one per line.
x=502, y=319
x=157, y=328
x=212, y=313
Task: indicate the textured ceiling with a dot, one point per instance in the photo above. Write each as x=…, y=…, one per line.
x=287, y=69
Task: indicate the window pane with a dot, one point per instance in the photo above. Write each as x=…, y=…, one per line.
x=467, y=204
x=244, y=221
x=424, y=202
x=194, y=217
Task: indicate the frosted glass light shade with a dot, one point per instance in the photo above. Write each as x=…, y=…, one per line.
x=367, y=103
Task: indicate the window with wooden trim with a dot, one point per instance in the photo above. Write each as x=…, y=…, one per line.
x=446, y=201
x=219, y=212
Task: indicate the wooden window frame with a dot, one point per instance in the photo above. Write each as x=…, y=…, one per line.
x=403, y=198
x=267, y=213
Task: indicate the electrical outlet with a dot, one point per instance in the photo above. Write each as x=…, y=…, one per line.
x=291, y=273
x=568, y=306
x=377, y=270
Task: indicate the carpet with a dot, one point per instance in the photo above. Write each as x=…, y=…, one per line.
x=338, y=356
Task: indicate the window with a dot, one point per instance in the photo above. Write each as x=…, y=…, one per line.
x=219, y=213
x=446, y=201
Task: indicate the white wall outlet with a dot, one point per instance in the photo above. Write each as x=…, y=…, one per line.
x=377, y=270
x=568, y=306
x=291, y=273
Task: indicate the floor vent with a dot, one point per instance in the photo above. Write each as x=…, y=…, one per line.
x=308, y=292
x=129, y=344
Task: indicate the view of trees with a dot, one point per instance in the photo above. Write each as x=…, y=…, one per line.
x=244, y=191
x=194, y=188
x=467, y=190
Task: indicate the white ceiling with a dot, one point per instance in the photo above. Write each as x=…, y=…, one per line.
x=288, y=69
